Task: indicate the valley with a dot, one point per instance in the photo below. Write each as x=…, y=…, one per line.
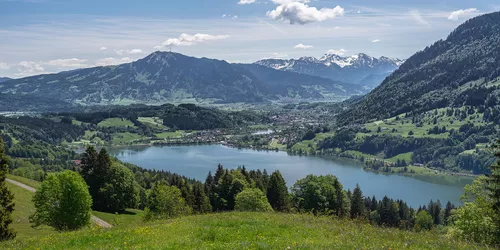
x=361, y=151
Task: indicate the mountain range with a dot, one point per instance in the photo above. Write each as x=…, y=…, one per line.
x=171, y=77
x=3, y=79
x=358, y=69
x=462, y=69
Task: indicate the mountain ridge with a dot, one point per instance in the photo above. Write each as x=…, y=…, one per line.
x=356, y=69
x=460, y=70
x=171, y=77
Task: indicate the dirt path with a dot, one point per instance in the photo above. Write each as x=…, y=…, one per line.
x=95, y=220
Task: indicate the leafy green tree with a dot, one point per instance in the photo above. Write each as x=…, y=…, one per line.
x=252, y=200
x=166, y=202
x=63, y=202
x=320, y=194
x=6, y=199
x=119, y=192
x=277, y=192
x=423, y=221
x=357, y=203
x=475, y=219
x=494, y=191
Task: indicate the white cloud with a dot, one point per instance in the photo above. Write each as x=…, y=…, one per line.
x=189, y=40
x=4, y=65
x=415, y=14
x=246, y=1
x=72, y=62
x=376, y=41
x=302, y=46
x=235, y=17
x=339, y=52
x=26, y=68
x=103, y=48
x=455, y=15
x=298, y=11
x=112, y=61
x=135, y=51
x=121, y=52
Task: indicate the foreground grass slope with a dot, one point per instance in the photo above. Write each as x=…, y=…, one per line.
x=22, y=211
x=244, y=231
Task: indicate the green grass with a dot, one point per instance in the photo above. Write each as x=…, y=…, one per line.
x=311, y=145
x=273, y=144
x=404, y=125
x=22, y=211
x=125, y=138
x=131, y=217
x=406, y=157
x=259, y=126
x=25, y=181
x=245, y=231
x=176, y=134
x=154, y=122
x=115, y=122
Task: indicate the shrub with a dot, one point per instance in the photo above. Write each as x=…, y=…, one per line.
x=166, y=202
x=252, y=200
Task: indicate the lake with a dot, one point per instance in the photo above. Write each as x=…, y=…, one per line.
x=195, y=161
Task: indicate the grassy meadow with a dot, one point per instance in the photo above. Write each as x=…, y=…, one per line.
x=244, y=231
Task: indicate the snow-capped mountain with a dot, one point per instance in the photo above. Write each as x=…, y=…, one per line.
x=358, y=69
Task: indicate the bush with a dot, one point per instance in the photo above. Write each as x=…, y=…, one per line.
x=166, y=202
x=252, y=200
x=63, y=202
x=423, y=221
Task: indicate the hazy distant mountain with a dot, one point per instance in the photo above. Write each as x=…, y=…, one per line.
x=461, y=70
x=171, y=77
x=16, y=102
x=302, y=85
x=3, y=79
x=359, y=69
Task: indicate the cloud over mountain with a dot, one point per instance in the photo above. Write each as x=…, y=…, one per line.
x=190, y=40
x=298, y=11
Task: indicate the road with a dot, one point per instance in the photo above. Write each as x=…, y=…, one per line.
x=95, y=220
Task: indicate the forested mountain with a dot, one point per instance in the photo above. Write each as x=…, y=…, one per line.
x=358, y=69
x=3, y=79
x=461, y=70
x=302, y=85
x=17, y=102
x=170, y=77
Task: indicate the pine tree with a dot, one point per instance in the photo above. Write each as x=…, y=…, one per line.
x=201, y=203
x=277, y=192
x=374, y=204
x=6, y=197
x=447, y=212
x=218, y=174
x=357, y=204
x=224, y=186
x=210, y=189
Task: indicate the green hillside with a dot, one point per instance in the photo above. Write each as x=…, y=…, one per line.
x=461, y=70
x=244, y=231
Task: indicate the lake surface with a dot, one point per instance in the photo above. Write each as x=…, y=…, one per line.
x=197, y=161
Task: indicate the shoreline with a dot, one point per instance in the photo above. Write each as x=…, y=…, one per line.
x=430, y=171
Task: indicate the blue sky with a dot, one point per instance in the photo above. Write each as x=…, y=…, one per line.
x=44, y=36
